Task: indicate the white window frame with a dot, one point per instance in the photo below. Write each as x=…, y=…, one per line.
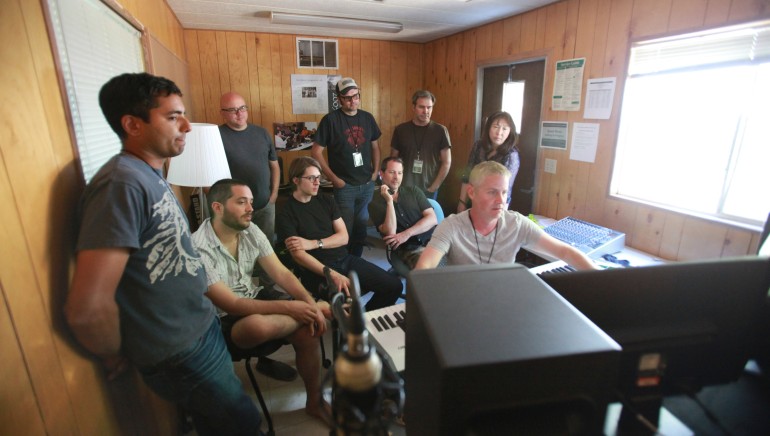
x=326, y=64
x=654, y=64
x=93, y=43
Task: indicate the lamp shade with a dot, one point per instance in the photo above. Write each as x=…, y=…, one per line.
x=203, y=160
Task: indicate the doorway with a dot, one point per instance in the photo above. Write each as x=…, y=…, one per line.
x=493, y=78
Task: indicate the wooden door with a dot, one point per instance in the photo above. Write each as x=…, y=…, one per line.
x=532, y=73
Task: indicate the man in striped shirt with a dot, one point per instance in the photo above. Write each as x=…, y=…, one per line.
x=230, y=245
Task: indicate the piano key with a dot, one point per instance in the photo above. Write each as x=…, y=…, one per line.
x=390, y=322
x=376, y=324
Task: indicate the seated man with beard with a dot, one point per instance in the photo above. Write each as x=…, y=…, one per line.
x=230, y=245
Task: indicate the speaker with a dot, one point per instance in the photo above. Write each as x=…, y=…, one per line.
x=491, y=349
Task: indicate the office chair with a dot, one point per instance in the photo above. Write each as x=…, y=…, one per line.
x=262, y=350
x=437, y=208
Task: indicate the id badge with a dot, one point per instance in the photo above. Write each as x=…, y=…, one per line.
x=358, y=160
x=417, y=166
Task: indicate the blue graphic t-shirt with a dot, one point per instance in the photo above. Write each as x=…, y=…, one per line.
x=163, y=309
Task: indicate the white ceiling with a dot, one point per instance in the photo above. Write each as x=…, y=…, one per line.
x=423, y=20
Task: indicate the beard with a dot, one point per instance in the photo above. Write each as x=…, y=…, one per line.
x=234, y=222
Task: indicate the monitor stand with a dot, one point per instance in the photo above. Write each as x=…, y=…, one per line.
x=668, y=424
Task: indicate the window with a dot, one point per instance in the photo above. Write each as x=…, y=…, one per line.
x=317, y=53
x=94, y=44
x=692, y=132
x=513, y=101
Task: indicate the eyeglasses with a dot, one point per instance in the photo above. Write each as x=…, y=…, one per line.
x=312, y=179
x=351, y=97
x=236, y=110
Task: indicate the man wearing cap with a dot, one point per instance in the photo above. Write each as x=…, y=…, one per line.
x=350, y=136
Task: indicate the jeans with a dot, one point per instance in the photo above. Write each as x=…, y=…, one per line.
x=202, y=380
x=265, y=219
x=353, y=201
x=386, y=287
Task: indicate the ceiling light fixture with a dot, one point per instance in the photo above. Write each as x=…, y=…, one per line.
x=337, y=22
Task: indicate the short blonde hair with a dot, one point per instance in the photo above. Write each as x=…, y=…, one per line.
x=485, y=169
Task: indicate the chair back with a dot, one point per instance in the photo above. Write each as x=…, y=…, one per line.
x=437, y=208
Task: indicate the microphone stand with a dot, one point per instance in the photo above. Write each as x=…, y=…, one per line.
x=358, y=388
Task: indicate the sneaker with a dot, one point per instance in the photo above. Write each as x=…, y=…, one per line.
x=277, y=370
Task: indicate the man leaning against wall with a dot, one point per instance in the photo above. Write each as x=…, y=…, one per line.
x=137, y=293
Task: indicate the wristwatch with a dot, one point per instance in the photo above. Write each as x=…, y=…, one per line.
x=320, y=243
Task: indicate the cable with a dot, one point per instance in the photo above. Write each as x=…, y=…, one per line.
x=637, y=415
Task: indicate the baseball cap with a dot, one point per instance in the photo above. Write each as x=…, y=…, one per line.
x=346, y=84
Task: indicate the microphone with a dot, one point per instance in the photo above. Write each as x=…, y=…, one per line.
x=357, y=393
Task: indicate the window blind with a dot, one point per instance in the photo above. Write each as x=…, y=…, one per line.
x=742, y=44
x=94, y=44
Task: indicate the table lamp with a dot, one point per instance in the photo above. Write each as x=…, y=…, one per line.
x=200, y=165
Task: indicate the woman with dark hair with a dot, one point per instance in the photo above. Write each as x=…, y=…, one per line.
x=499, y=142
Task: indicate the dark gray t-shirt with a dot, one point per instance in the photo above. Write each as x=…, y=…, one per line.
x=249, y=153
x=163, y=310
x=424, y=143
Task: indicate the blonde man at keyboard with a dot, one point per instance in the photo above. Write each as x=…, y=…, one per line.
x=488, y=233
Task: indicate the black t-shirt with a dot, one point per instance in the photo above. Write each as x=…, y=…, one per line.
x=343, y=135
x=312, y=220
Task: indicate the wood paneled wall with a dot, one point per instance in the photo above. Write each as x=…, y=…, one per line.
x=259, y=67
x=600, y=31
x=49, y=385
x=156, y=16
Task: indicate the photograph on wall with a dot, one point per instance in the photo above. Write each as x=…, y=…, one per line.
x=294, y=136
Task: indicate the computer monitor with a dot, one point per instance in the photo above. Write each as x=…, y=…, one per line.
x=682, y=326
x=492, y=350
